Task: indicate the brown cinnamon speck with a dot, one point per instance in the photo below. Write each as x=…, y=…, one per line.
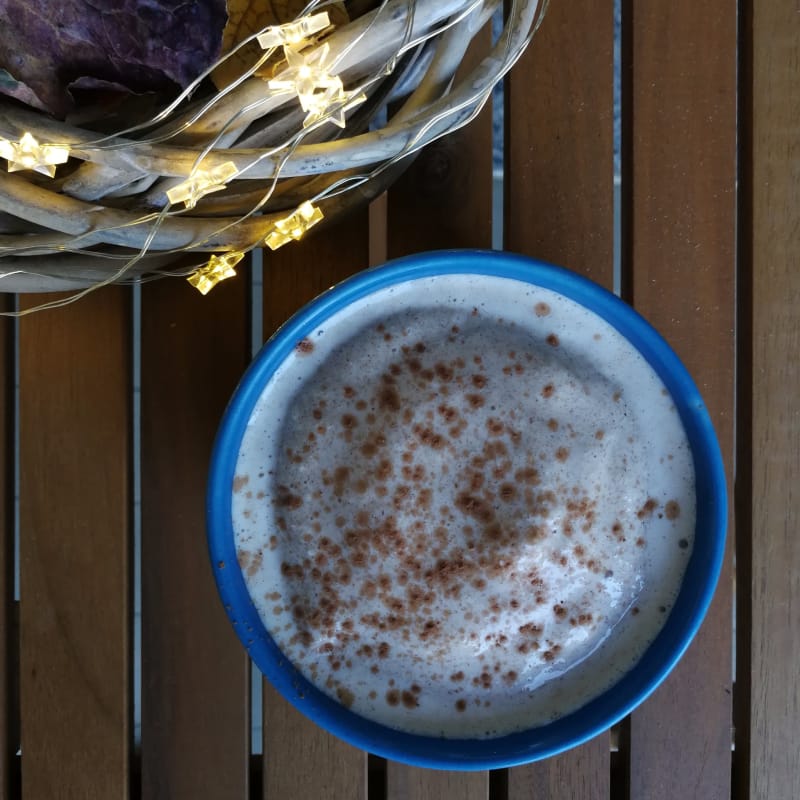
x=647, y=509
x=304, y=347
x=346, y=697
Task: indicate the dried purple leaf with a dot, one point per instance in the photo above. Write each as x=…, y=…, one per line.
x=144, y=45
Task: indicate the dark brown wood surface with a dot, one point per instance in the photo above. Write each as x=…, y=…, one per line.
x=323, y=766
x=195, y=673
x=75, y=405
x=69, y=655
x=770, y=728
x=559, y=207
x=679, y=237
x=8, y=747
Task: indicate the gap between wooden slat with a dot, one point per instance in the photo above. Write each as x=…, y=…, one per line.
x=743, y=488
x=9, y=665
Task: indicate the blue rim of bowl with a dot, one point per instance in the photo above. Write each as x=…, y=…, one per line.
x=683, y=621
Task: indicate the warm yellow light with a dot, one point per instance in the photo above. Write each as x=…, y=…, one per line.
x=321, y=95
x=294, y=33
x=332, y=107
x=219, y=268
x=200, y=183
x=294, y=226
x=306, y=76
x=27, y=153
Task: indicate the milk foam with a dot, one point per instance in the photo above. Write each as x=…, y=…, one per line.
x=450, y=497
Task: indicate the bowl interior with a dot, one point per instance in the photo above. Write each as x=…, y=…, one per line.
x=683, y=621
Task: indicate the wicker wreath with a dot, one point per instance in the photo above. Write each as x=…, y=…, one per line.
x=219, y=173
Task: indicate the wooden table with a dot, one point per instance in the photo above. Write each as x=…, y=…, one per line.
x=716, y=272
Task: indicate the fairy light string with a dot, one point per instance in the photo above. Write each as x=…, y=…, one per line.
x=294, y=33
x=294, y=226
x=218, y=268
x=28, y=153
x=201, y=183
x=281, y=121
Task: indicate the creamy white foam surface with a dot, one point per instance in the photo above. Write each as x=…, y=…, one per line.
x=463, y=507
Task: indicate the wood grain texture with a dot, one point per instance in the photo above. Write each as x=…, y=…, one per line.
x=75, y=401
x=411, y=783
x=297, y=273
x=195, y=673
x=680, y=166
x=559, y=141
x=774, y=731
x=301, y=760
x=8, y=746
x=444, y=200
x=560, y=207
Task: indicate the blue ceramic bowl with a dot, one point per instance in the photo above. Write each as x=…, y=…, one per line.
x=683, y=622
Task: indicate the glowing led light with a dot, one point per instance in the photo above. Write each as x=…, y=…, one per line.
x=201, y=183
x=307, y=77
x=219, y=268
x=27, y=153
x=321, y=95
x=332, y=106
x=294, y=33
x=294, y=226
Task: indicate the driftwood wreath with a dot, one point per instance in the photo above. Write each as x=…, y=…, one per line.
x=299, y=135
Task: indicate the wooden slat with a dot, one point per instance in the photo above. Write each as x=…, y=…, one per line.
x=75, y=403
x=7, y=745
x=444, y=200
x=559, y=141
x=424, y=784
x=774, y=179
x=298, y=272
x=560, y=207
x=301, y=760
x=195, y=673
x=680, y=231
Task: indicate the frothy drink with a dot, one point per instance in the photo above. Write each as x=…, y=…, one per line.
x=464, y=506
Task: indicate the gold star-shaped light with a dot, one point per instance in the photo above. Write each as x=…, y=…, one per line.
x=27, y=153
x=294, y=33
x=218, y=269
x=200, y=183
x=294, y=226
x=306, y=76
x=332, y=105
